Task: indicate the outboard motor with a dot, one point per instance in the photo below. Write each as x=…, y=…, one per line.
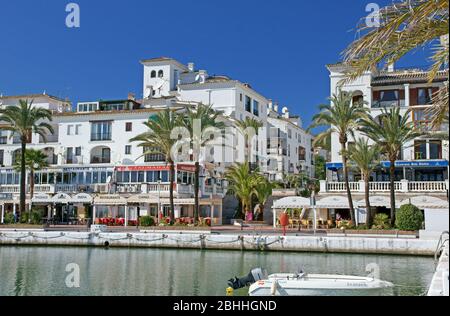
x=255, y=275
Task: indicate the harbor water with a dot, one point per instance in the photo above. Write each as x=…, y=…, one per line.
x=148, y=272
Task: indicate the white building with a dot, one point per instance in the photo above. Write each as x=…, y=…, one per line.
x=422, y=170
x=90, y=151
x=290, y=145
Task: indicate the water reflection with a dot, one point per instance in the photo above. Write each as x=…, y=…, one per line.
x=143, y=272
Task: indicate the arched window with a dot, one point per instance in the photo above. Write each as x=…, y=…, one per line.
x=153, y=75
x=160, y=74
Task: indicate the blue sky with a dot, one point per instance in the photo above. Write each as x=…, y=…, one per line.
x=279, y=47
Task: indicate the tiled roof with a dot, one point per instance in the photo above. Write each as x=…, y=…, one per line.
x=407, y=76
x=135, y=111
x=33, y=96
x=218, y=79
x=162, y=58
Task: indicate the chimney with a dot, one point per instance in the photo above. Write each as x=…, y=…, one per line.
x=202, y=76
x=191, y=67
x=270, y=107
x=131, y=96
x=285, y=112
x=275, y=107
x=391, y=67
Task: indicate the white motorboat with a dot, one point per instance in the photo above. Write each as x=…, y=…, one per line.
x=302, y=284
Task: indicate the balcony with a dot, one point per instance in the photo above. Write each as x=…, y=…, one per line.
x=38, y=188
x=100, y=159
x=48, y=139
x=388, y=104
x=403, y=186
x=98, y=137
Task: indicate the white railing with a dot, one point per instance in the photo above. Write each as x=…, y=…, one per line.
x=6, y=188
x=399, y=186
x=38, y=188
x=158, y=188
x=341, y=187
x=428, y=186
x=185, y=189
x=44, y=188
x=67, y=188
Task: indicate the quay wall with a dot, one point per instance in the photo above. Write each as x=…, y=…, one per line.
x=206, y=241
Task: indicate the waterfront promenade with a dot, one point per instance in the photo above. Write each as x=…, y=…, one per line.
x=216, y=241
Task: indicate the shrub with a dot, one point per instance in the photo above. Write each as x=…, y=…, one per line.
x=36, y=218
x=24, y=217
x=409, y=218
x=346, y=225
x=9, y=218
x=147, y=221
x=381, y=221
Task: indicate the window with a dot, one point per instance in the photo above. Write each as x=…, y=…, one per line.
x=156, y=157
x=69, y=129
x=101, y=131
x=422, y=119
x=69, y=155
x=3, y=137
x=255, y=108
x=160, y=74
x=248, y=104
x=424, y=96
x=240, y=97
x=128, y=127
x=420, y=150
x=435, y=149
x=2, y=155
x=78, y=151
x=127, y=150
x=153, y=74
x=388, y=98
x=302, y=153
x=290, y=134
x=77, y=129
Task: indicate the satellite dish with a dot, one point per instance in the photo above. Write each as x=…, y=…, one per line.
x=147, y=93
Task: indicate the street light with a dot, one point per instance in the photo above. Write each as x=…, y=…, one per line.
x=159, y=201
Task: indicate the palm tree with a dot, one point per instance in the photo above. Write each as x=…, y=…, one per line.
x=23, y=120
x=341, y=118
x=35, y=160
x=391, y=132
x=263, y=191
x=242, y=183
x=403, y=27
x=365, y=157
x=247, y=128
x=157, y=140
x=198, y=120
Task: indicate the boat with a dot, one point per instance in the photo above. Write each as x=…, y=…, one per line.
x=303, y=284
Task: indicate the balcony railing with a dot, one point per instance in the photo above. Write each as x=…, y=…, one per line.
x=404, y=186
x=95, y=137
x=100, y=159
x=387, y=104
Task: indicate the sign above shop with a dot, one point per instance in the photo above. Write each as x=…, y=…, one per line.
x=142, y=168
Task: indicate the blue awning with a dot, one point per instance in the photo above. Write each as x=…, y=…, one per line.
x=425, y=163
x=334, y=166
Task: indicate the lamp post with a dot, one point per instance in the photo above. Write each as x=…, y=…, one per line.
x=159, y=201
